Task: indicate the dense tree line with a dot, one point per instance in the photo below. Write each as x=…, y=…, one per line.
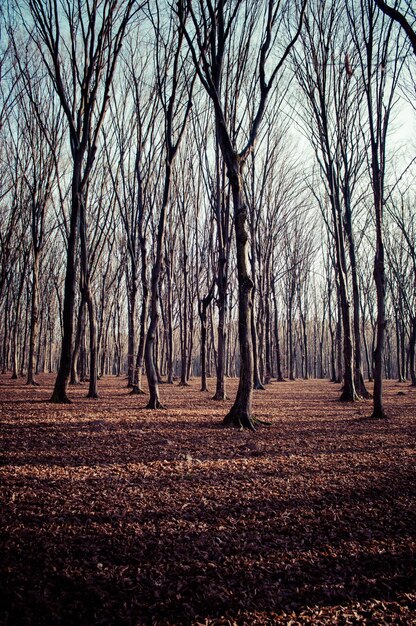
x=208, y=189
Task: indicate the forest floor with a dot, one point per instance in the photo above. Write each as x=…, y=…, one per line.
x=115, y=515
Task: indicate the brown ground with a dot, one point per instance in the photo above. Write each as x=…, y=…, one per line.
x=112, y=514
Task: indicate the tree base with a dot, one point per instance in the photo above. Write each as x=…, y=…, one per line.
x=219, y=395
x=33, y=383
x=183, y=384
x=93, y=394
x=348, y=395
x=242, y=420
x=259, y=386
x=360, y=387
x=378, y=414
x=137, y=391
x=364, y=394
x=59, y=399
x=280, y=379
x=155, y=404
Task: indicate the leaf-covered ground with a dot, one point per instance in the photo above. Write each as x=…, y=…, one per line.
x=112, y=514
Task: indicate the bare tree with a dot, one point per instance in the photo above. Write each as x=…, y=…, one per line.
x=380, y=60
x=175, y=94
x=210, y=31
x=80, y=48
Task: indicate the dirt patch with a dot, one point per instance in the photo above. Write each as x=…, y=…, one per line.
x=113, y=514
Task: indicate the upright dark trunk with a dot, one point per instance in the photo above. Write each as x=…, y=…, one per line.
x=15, y=364
x=403, y=350
x=240, y=413
x=222, y=211
x=321, y=346
x=131, y=326
x=189, y=368
x=137, y=387
x=59, y=394
x=380, y=282
x=257, y=383
x=379, y=279
x=220, y=390
x=290, y=356
x=5, y=354
x=305, y=368
x=348, y=391
x=88, y=297
x=412, y=345
x=276, y=337
x=74, y=380
x=92, y=391
x=34, y=319
x=169, y=320
x=269, y=371
x=184, y=338
x=202, y=310
x=366, y=350
x=151, y=369
x=360, y=387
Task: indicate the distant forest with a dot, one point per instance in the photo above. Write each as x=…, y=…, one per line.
x=208, y=189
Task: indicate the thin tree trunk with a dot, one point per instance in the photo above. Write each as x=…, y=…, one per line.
x=412, y=345
x=276, y=337
x=202, y=309
x=380, y=282
x=74, y=380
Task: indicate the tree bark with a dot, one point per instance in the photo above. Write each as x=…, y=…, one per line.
x=59, y=394
x=34, y=320
x=240, y=414
x=202, y=309
x=412, y=345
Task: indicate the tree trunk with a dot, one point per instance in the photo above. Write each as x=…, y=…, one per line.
x=360, y=387
x=15, y=364
x=380, y=282
x=153, y=376
x=240, y=413
x=74, y=380
x=59, y=394
x=34, y=320
x=220, y=391
x=291, y=371
x=412, y=345
x=269, y=372
x=131, y=326
x=137, y=387
x=379, y=279
x=257, y=384
x=184, y=326
x=348, y=391
x=87, y=295
x=202, y=309
x=169, y=337
x=92, y=391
